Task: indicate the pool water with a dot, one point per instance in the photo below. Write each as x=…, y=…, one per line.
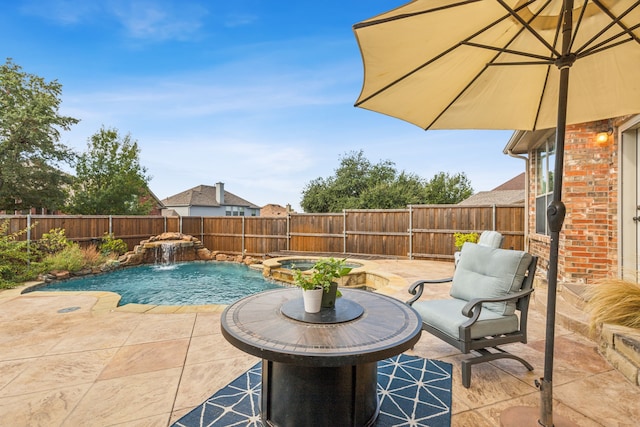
x=304, y=264
x=190, y=283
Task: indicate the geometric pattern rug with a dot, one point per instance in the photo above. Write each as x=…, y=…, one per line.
x=413, y=391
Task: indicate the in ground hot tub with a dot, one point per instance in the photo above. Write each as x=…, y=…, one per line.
x=360, y=277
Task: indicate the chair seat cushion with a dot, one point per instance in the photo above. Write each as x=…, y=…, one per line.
x=485, y=272
x=446, y=315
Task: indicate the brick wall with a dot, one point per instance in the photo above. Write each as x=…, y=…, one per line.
x=589, y=239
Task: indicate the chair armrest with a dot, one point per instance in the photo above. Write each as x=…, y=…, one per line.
x=470, y=310
x=417, y=287
x=467, y=310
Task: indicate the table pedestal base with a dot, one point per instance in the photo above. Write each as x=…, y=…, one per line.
x=295, y=396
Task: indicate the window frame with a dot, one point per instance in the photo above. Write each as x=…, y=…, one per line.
x=543, y=192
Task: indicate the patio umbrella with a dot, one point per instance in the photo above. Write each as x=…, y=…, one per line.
x=506, y=64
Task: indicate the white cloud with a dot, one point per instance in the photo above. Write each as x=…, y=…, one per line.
x=145, y=20
x=158, y=20
x=63, y=12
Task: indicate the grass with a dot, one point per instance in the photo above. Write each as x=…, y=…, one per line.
x=614, y=301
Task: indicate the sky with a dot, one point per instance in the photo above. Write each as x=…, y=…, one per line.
x=256, y=94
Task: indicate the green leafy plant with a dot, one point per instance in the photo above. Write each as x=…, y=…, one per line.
x=111, y=246
x=15, y=257
x=461, y=238
x=322, y=274
x=54, y=241
x=70, y=259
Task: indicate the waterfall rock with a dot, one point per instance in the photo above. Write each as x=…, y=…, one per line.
x=166, y=248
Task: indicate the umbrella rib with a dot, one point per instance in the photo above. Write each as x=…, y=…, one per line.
x=543, y=58
x=411, y=15
x=605, y=45
x=525, y=24
x=583, y=51
x=583, y=10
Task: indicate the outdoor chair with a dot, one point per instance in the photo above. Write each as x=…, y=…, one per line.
x=488, y=287
x=492, y=239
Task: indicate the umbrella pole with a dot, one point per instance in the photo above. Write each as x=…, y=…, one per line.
x=555, y=217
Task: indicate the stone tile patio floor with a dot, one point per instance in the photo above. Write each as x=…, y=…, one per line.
x=142, y=366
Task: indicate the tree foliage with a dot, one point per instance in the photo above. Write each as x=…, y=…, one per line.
x=448, y=189
x=30, y=151
x=359, y=184
x=109, y=177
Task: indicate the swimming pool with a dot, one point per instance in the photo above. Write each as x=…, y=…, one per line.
x=190, y=283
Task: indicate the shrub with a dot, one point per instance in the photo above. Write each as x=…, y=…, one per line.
x=109, y=245
x=92, y=256
x=460, y=238
x=614, y=301
x=15, y=257
x=70, y=258
x=52, y=242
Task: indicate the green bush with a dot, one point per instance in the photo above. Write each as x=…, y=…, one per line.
x=109, y=245
x=461, y=238
x=70, y=259
x=52, y=242
x=15, y=257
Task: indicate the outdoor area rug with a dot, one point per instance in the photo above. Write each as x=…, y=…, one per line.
x=413, y=391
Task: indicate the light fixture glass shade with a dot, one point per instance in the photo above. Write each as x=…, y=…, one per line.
x=602, y=138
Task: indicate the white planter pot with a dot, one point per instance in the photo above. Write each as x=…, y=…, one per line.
x=312, y=300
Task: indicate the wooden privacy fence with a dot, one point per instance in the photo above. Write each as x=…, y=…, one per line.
x=418, y=232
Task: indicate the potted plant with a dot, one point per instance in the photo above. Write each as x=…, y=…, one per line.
x=323, y=275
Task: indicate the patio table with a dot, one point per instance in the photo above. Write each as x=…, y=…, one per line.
x=320, y=369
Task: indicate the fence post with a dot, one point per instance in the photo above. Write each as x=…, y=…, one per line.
x=344, y=231
x=243, y=236
x=111, y=225
x=165, y=224
x=180, y=225
x=288, y=230
x=410, y=232
x=494, y=220
x=202, y=229
x=28, y=238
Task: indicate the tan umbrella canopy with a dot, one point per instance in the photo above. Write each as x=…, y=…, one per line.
x=506, y=64
x=492, y=64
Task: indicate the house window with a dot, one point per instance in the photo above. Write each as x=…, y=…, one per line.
x=545, y=161
x=227, y=211
x=241, y=211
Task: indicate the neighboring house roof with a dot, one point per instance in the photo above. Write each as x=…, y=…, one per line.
x=205, y=195
x=273, y=210
x=516, y=183
x=508, y=193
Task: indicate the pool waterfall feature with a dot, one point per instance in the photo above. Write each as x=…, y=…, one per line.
x=167, y=248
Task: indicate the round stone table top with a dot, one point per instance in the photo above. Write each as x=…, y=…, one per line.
x=256, y=325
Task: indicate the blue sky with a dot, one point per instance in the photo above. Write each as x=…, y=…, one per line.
x=256, y=94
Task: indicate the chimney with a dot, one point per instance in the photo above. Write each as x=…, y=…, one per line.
x=220, y=192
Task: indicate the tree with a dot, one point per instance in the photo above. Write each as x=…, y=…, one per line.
x=358, y=184
x=30, y=152
x=109, y=177
x=448, y=189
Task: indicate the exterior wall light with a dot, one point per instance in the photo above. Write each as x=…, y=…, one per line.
x=602, y=137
